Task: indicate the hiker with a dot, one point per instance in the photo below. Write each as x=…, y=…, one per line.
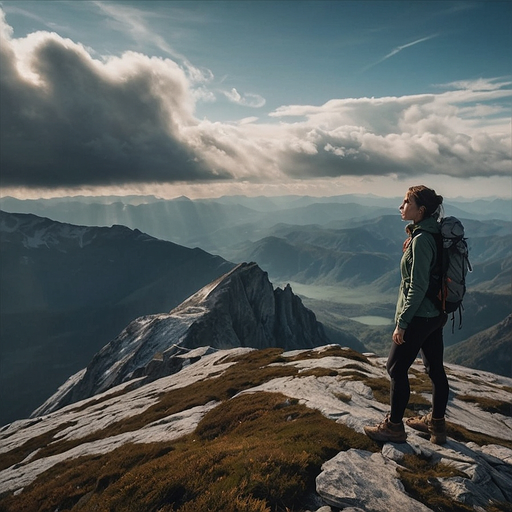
x=419, y=323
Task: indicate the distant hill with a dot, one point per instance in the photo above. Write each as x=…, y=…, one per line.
x=339, y=253
x=303, y=262
x=489, y=350
x=66, y=290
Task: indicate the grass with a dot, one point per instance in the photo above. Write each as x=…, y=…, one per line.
x=252, y=370
x=332, y=351
x=419, y=477
x=462, y=434
x=488, y=404
x=256, y=452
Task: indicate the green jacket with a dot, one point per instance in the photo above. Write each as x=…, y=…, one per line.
x=416, y=264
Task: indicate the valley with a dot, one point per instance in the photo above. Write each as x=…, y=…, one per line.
x=81, y=277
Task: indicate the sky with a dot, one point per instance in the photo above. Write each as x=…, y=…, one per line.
x=207, y=98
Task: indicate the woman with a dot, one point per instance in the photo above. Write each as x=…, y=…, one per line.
x=419, y=323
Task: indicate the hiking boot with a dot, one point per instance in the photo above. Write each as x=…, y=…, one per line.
x=387, y=431
x=436, y=428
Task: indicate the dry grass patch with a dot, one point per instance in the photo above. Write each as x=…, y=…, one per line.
x=352, y=374
x=420, y=381
x=419, y=477
x=488, y=404
x=462, y=434
x=257, y=452
x=318, y=372
x=251, y=370
x=333, y=351
x=343, y=397
x=379, y=387
x=15, y=456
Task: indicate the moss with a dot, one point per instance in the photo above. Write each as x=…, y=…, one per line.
x=488, y=404
x=257, y=452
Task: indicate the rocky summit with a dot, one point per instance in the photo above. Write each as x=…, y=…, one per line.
x=235, y=401
x=240, y=309
x=239, y=429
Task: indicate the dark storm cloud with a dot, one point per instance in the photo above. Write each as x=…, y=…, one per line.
x=69, y=120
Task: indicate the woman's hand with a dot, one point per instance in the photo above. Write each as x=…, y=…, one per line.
x=398, y=336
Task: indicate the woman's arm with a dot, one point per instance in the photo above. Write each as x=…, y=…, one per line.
x=423, y=253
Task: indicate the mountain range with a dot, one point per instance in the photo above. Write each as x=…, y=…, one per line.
x=234, y=400
x=81, y=287
x=240, y=309
x=66, y=291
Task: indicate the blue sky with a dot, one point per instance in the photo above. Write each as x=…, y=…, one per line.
x=265, y=97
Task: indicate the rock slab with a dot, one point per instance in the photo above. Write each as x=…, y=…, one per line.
x=360, y=479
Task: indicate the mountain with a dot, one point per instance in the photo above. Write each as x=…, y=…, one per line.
x=240, y=309
x=339, y=254
x=489, y=350
x=244, y=430
x=66, y=290
x=306, y=263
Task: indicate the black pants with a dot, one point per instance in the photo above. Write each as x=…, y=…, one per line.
x=423, y=335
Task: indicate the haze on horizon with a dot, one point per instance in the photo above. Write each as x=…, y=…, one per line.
x=205, y=99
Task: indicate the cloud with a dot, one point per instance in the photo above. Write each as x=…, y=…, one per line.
x=247, y=100
x=398, y=49
x=431, y=133
x=71, y=120
x=68, y=119
x=133, y=21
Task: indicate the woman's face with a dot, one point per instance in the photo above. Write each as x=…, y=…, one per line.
x=409, y=209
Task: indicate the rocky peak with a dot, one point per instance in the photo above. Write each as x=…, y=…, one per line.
x=240, y=309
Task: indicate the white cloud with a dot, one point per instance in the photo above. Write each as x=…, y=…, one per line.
x=398, y=49
x=69, y=119
x=246, y=100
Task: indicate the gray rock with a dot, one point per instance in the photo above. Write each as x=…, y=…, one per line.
x=240, y=309
x=360, y=479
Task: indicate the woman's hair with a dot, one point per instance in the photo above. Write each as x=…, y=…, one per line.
x=427, y=197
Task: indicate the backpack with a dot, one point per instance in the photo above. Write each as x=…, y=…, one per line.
x=448, y=279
